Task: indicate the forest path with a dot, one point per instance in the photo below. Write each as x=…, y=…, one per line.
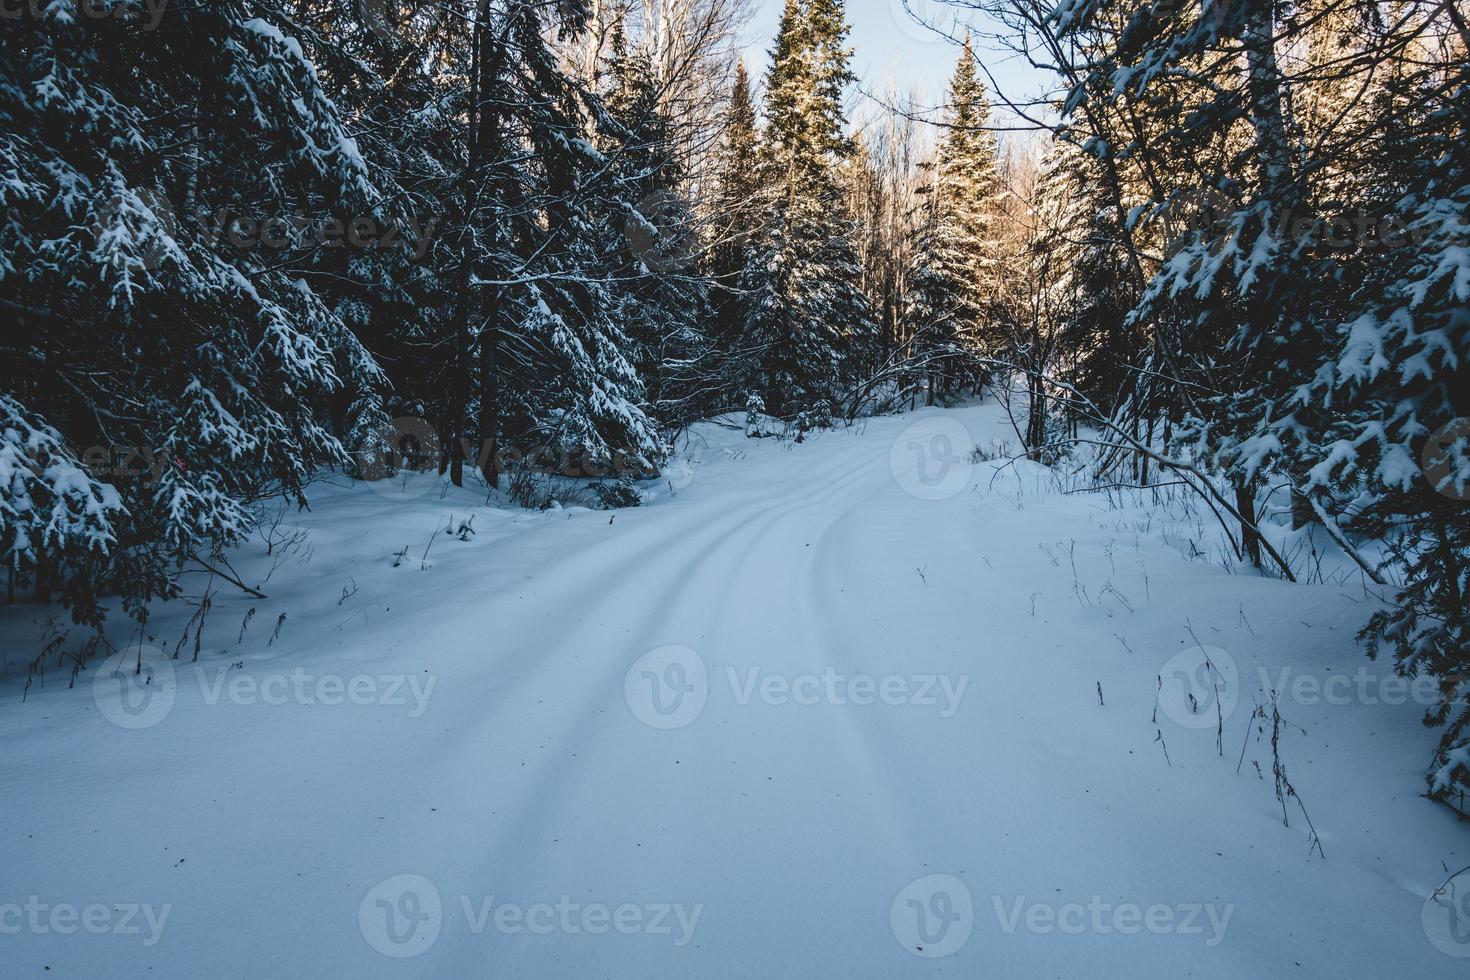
x=830, y=710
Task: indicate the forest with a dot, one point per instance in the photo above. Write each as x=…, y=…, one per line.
x=528, y=248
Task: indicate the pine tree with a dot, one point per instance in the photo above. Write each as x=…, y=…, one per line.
x=1082, y=236
x=151, y=171
x=969, y=188
x=1308, y=325
x=807, y=314
x=939, y=303
x=1388, y=405
x=652, y=237
x=543, y=363
x=400, y=301
x=736, y=211
x=955, y=294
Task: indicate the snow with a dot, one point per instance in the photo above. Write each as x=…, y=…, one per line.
x=266, y=29
x=815, y=706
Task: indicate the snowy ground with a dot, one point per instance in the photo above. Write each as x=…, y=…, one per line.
x=842, y=709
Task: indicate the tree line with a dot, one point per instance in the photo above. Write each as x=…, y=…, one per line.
x=239, y=239
x=1249, y=274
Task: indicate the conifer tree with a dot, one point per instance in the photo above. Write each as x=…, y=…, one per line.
x=652, y=239
x=545, y=365
x=169, y=369
x=955, y=292
x=1098, y=293
x=737, y=209
x=1308, y=327
x=807, y=315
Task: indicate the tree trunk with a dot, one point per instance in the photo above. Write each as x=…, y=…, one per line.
x=1148, y=441
x=489, y=337
x=1263, y=86
x=469, y=193
x=43, y=581
x=1279, y=185
x=1036, y=420
x=1302, y=513
x=1250, y=539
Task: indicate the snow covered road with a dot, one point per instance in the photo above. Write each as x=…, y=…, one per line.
x=857, y=707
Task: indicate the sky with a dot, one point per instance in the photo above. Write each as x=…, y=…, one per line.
x=891, y=50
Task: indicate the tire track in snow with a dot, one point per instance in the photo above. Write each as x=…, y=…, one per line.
x=601, y=736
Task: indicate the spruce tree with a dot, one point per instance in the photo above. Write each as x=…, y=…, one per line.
x=737, y=210
x=1082, y=236
x=808, y=317
x=544, y=363
x=652, y=236
x=1308, y=324
x=955, y=292
x=170, y=367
